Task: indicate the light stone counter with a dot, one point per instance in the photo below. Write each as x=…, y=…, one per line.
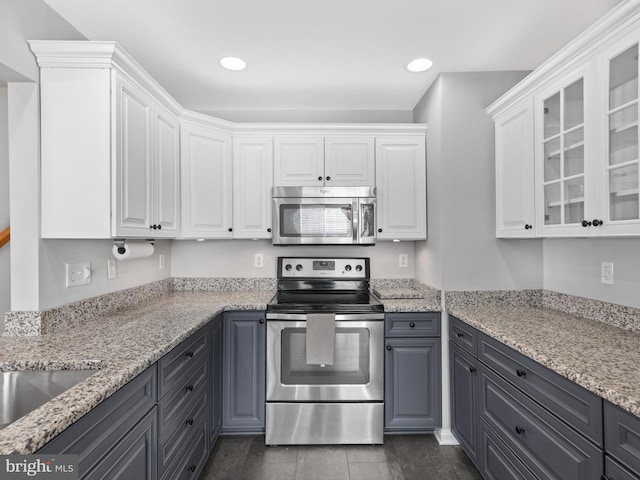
x=602, y=358
x=121, y=345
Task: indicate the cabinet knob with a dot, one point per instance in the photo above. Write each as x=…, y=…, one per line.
x=269, y=230
x=230, y=229
x=597, y=222
x=388, y=347
x=519, y=430
x=472, y=369
x=189, y=388
x=379, y=230
x=153, y=226
x=159, y=227
x=189, y=422
x=586, y=223
x=320, y=178
x=328, y=178
x=189, y=354
x=521, y=373
x=528, y=227
x=412, y=324
x=261, y=320
x=460, y=334
x=191, y=468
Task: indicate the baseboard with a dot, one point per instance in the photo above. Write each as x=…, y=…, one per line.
x=445, y=437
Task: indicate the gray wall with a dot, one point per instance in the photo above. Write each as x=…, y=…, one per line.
x=5, y=273
x=462, y=252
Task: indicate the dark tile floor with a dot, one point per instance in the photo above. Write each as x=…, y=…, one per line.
x=402, y=457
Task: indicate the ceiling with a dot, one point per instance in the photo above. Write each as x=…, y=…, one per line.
x=329, y=54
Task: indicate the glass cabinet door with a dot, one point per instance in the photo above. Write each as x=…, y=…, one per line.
x=622, y=159
x=564, y=160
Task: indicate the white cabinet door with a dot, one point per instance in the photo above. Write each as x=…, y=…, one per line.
x=133, y=118
x=206, y=183
x=515, y=172
x=349, y=161
x=402, y=188
x=252, y=181
x=298, y=161
x=166, y=176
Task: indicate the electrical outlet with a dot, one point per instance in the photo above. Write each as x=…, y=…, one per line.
x=161, y=261
x=606, y=273
x=403, y=260
x=77, y=274
x=112, y=273
x=258, y=260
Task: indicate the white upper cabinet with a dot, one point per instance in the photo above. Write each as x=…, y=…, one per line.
x=514, y=172
x=206, y=182
x=340, y=161
x=401, y=188
x=585, y=137
x=252, y=182
x=109, y=145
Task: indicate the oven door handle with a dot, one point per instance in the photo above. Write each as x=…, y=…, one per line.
x=302, y=317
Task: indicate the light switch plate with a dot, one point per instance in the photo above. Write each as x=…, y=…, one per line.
x=112, y=272
x=258, y=260
x=77, y=274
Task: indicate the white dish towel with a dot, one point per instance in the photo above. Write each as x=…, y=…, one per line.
x=321, y=338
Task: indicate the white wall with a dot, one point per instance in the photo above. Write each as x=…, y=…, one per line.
x=314, y=116
x=461, y=186
x=5, y=272
x=234, y=258
x=572, y=266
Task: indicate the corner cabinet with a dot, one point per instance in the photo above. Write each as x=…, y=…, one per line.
x=584, y=141
x=401, y=188
x=109, y=145
x=412, y=372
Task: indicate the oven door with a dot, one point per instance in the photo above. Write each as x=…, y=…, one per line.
x=357, y=373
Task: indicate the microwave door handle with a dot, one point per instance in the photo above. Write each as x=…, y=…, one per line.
x=355, y=216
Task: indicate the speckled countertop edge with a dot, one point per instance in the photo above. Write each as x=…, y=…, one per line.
x=121, y=345
x=429, y=300
x=602, y=358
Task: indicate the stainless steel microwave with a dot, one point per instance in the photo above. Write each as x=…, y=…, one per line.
x=324, y=215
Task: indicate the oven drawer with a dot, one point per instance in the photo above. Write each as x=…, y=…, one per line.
x=412, y=324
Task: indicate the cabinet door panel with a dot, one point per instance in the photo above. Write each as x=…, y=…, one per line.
x=464, y=398
x=298, y=161
x=412, y=384
x=401, y=192
x=215, y=399
x=252, y=182
x=133, y=159
x=349, y=161
x=622, y=435
x=167, y=173
x=498, y=462
x=514, y=173
x=206, y=183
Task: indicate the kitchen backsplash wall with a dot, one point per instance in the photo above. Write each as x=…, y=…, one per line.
x=235, y=258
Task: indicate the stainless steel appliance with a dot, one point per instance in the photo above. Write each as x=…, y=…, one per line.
x=324, y=215
x=340, y=401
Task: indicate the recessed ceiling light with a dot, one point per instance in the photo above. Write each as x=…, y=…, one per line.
x=419, y=65
x=233, y=63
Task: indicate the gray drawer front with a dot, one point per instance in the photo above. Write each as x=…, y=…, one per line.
x=578, y=407
x=498, y=462
x=172, y=366
x=622, y=436
x=463, y=335
x=175, y=451
x=412, y=324
x=197, y=454
x=94, y=434
x=615, y=471
x=172, y=406
x=548, y=447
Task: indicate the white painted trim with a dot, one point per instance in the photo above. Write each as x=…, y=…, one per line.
x=624, y=16
x=445, y=437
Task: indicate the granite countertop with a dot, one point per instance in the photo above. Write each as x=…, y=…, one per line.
x=121, y=345
x=602, y=358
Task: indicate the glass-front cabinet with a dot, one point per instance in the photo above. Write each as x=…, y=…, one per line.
x=565, y=194
x=619, y=168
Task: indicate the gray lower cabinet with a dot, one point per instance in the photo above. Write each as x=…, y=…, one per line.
x=498, y=462
x=413, y=391
x=465, y=423
x=622, y=440
x=215, y=390
x=118, y=438
x=244, y=372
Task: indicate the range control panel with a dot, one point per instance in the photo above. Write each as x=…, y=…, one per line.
x=314, y=267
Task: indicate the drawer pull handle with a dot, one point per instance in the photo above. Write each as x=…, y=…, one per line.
x=473, y=369
x=519, y=430
x=460, y=334
x=189, y=388
x=189, y=422
x=191, y=468
x=189, y=354
x=412, y=324
x=521, y=373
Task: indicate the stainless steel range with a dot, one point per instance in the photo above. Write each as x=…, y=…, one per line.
x=325, y=354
